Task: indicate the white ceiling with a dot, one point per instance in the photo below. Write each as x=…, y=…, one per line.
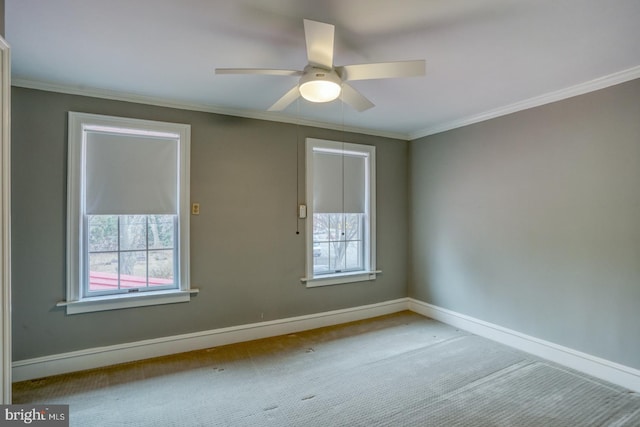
x=484, y=57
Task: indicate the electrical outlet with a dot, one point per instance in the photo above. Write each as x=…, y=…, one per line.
x=195, y=209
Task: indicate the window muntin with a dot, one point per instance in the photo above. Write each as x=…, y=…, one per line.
x=341, y=207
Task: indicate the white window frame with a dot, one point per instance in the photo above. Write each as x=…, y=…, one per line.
x=76, y=247
x=369, y=271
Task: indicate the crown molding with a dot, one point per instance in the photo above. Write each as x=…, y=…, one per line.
x=536, y=101
x=164, y=102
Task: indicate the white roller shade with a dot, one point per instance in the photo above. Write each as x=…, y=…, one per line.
x=131, y=174
x=339, y=182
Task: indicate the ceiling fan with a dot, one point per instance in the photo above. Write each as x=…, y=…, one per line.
x=321, y=81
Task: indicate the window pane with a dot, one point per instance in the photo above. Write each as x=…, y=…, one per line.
x=336, y=227
x=320, y=257
x=161, y=268
x=133, y=232
x=103, y=233
x=103, y=271
x=161, y=231
x=320, y=227
x=133, y=269
x=353, y=257
x=337, y=256
x=353, y=226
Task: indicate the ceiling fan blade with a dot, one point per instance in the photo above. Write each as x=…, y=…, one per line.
x=382, y=70
x=319, y=38
x=286, y=100
x=258, y=71
x=355, y=98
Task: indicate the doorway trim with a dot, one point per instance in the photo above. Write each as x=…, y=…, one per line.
x=5, y=222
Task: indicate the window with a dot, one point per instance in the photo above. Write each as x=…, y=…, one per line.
x=341, y=212
x=128, y=213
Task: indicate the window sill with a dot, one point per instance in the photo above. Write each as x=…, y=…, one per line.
x=337, y=279
x=115, y=302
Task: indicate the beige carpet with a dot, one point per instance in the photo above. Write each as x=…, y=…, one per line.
x=397, y=370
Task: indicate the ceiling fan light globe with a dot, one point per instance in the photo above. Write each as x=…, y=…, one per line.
x=320, y=90
x=320, y=85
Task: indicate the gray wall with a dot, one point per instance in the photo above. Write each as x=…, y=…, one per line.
x=532, y=221
x=246, y=257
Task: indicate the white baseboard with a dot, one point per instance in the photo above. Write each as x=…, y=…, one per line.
x=110, y=355
x=586, y=363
